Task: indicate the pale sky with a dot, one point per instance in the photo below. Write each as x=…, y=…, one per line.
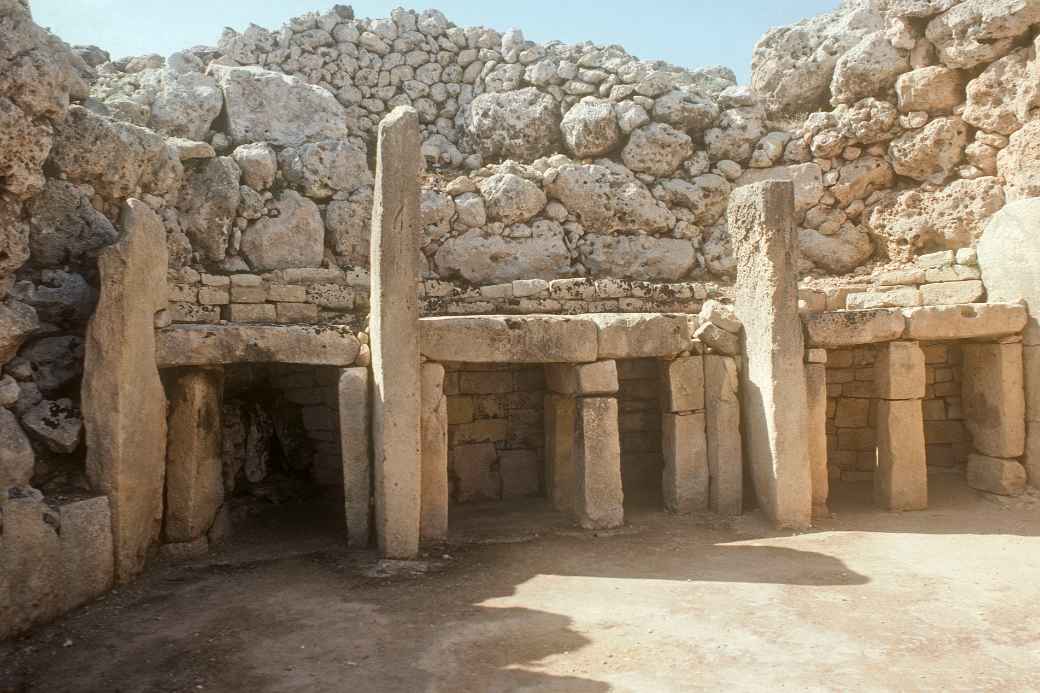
x=692, y=33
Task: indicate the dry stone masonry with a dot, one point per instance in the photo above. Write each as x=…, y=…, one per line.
x=409, y=265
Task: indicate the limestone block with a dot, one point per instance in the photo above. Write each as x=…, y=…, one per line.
x=682, y=384
x=86, y=550
x=599, y=378
x=194, y=482
x=497, y=339
x=597, y=464
x=210, y=345
x=816, y=395
x=521, y=477
x=722, y=431
x=1031, y=460
x=995, y=475
x=560, y=422
x=952, y=293
x=775, y=411
x=434, y=522
x=968, y=321
x=475, y=471
x=993, y=398
x=1031, y=371
x=641, y=335
x=685, y=479
x=718, y=339
x=899, y=371
x=353, y=392
x=901, y=478
x=1009, y=257
x=31, y=587
x=16, y=453
x=124, y=405
x=841, y=328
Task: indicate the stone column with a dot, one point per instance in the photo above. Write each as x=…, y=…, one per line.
x=560, y=426
x=124, y=404
x=434, y=521
x=722, y=431
x=394, y=320
x=901, y=478
x=356, y=451
x=194, y=469
x=775, y=411
x=584, y=393
x=816, y=396
x=685, y=479
x=994, y=405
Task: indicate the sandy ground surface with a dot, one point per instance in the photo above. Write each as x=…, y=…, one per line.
x=947, y=599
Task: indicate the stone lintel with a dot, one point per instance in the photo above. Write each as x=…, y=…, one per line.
x=209, y=345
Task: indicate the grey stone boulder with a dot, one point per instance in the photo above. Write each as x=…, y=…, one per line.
x=510, y=198
x=60, y=298
x=267, y=106
x=706, y=196
x=980, y=31
x=294, y=238
x=17, y=322
x=869, y=68
x=186, y=103
x=1019, y=163
x=58, y=424
x=590, y=128
x=482, y=258
x=931, y=153
x=523, y=124
x=64, y=226
x=607, y=198
x=208, y=202
x=16, y=453
x=348, y=225
x=54, y=361
x=656, y=149
x=258, y=163
x=14, y=236
x=738, y=132
x=842, y=252
x=321, y=169
x=686, y=109
x=1000, y=99
x=644, y=258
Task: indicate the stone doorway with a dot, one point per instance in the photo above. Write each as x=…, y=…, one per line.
x=640, y=431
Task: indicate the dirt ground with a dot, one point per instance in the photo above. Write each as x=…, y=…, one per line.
x=947, y=599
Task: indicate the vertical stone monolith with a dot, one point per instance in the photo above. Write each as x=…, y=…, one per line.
x=993, y=398
x=901, y=477
x=356, y=451
x=124, y=405
x=775, y=411
x=394, y=325
x=434, y=522
x=560, y=423
x=722, y=432
x=816, y=397
x=597, y=464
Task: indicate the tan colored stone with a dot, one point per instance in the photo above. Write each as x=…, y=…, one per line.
x=124, y=404
x=899, y=371
x=434, y=521
x=901, y=478
x=968, y=321
x=993, y=398
x=761, y=224
x=599, y=378
x=194, y=482
x=1031, y=460
x=86, y=550
x=995, y=475
x=498, y=339
x=850, y=328
x=1031, y=371
x=211, y=345
x=475, y=476
x=31, y=585
x=354, y=398
x=1009, y=257
x=682, y=384
x=597, y=464
x=952, y=293
x=560, y=426
x=816, y=395
x=641, y=335
x=685, y=479
x=519, y=469
x=722, y=431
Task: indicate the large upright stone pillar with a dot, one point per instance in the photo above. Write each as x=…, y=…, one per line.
x=434, y=523
x=194, y=469
x=761, y=225
x=394, y=324
x=722, y=430
x=560, y=426
x=597, y=464
x=901, y=478
x=816, y=395
x=124, y=405
x=355, y=449
x=684, y=479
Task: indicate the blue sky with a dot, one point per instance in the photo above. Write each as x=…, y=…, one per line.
x=692, y=33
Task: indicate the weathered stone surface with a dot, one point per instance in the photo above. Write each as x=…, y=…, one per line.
x=208, y=202
x=685, y=479
x=839, y=253
x=355, y=448
x=321, y=169
x=807, y=179
x=994, y=475
x=682, y=384
x=968, y=321
x=686, y=109
x=16, y=454
x=185, y=104
x=124, y=405
x=1009, y=258
x=294, y=238
x=64, y=227
x=348, y=227
x=522, y=124
x=816, y=396
x=739, y=130
x=934, y=89
x=608, y=198
x=640, y=335
x=642, y=258
x=86, y=550
x=948, y=293
x=473, y=465
x=932, y=152
x=14, y=236
x=869, y=68
x=999, y=99
x=1031, y=461
x=978, y=31
x=761, y=221
x=656, y=149
x=17, y=322
x=521, y=339
x=434, y=521
x=55, y=423
x=521, y=473
x=841, y=328
x=1019, y=163
x=194, y=483
x=899, y=371
x=267, y=106
x=993, y=398
x=394, y=327
x=705, y=196
x=30, y=562
x=722, y=431
x=901, y=478
x=258, y=164
x=483, y=258
x=510, y=198
x=597, y=463
x=590, y=128
x=599, y=378
x=560, y=428
x=210, y=345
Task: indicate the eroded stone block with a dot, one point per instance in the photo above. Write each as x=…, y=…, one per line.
x=597, y=463
x=993, y=398
x=434, y=521
x=210, y=345
x=682, y=384
x=498, y=339
x=901, y=478
x=560, y=427
x=899, y=371
x=641, y=335
x=685, y=478
x=996, y=475
x=848, y=328
x=722, y=432
x=355, y=447
x=968, y=321
x=598, y=378
x=816, y=395
x=86, y=550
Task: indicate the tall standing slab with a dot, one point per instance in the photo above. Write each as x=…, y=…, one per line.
x=722, y=431
x=597, y=464
x=816, y=394
x=775, y=411
x=394, y=324
x=124, y=405
x=355, y=449
x=434, y=524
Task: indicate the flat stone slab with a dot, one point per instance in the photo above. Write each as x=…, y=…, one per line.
x=509, y=339
x=209, y=345
x=641, y=335
x=844, y=328
x=968, y=321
